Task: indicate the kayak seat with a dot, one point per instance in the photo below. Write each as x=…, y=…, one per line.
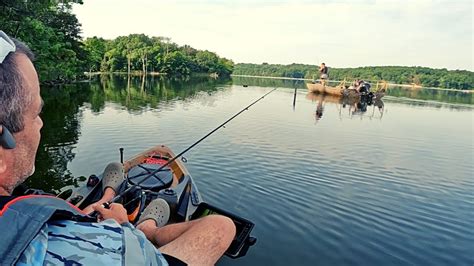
x=158, y=181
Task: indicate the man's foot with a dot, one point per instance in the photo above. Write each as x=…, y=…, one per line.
x=156, y=214
x=113, y=176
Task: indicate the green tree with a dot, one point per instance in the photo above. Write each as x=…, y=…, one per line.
x=138, y=52
x=95, y=48
x=176, y=63
x=207, y=61
x=51, y=31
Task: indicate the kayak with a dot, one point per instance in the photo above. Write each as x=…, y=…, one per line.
x=173, y=183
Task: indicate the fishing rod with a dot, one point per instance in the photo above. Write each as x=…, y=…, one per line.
x=119, y=196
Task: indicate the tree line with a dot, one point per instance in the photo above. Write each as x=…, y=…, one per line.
x=52, y=32
x=138, y=52
x=424, y=76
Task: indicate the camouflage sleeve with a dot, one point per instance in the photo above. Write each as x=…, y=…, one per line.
x=83, y=243
x=35, y=252
x=136, y=243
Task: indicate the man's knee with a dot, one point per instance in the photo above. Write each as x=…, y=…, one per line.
x=223, y=224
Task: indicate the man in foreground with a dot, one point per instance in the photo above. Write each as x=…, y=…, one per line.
x=45, y=229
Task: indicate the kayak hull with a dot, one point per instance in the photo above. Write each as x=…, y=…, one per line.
x=180, y=192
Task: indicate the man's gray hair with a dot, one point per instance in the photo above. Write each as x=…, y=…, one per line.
x=13, y=95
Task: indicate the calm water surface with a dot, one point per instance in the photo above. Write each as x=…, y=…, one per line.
x=391, y=185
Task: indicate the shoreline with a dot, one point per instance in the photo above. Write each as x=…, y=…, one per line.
x=408, y=86
x=139, y=73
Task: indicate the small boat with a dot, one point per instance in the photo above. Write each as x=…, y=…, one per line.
x=343, y=90
x=320, y=88
x=173, y=183
x=327, y=98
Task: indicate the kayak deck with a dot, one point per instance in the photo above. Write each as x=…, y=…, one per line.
x=180, y=192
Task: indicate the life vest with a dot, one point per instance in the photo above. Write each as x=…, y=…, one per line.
x=22, y=218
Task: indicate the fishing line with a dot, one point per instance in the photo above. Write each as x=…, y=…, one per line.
x=119, y=196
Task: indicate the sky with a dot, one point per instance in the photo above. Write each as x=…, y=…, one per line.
x=341, y=33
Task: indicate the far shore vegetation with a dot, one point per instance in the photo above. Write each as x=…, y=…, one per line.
x=422, y=76
x=53, y=32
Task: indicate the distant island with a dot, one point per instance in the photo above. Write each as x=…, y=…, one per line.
x=423, y=76
x=139, y=53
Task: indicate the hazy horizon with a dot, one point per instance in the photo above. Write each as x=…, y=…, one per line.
x=347, y=34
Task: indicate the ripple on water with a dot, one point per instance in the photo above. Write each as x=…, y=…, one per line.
x=338, y=191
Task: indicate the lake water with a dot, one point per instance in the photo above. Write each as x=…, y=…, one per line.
x=325, y=184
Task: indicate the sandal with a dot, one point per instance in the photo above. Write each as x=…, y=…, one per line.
x=158, y=210
x=113, y=176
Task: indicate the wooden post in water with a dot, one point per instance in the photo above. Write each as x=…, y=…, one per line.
x=294, y=100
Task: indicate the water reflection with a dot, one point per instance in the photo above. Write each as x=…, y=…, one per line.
x=64, y=107
x=273, y=166
x=348, y=106
x=269, y=82
x=63, y=113
x=433, y=95
x=424, y=94
x=139, y=93
x=380, y=107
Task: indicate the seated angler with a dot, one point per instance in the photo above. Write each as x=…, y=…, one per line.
x=364, y=87
x=48, y=230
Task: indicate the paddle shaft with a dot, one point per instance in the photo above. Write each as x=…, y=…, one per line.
x=119, y=196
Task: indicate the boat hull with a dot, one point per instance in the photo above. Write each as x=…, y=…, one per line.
x=339, y=91
x=328, y=98
x=320, y=88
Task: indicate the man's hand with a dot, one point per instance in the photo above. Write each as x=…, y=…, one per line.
x=116, y=212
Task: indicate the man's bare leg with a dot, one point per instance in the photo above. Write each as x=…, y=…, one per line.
x=198, y=242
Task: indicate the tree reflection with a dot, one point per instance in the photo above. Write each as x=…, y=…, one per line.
x=137, y=93
x=269, y=82
x=63, y=112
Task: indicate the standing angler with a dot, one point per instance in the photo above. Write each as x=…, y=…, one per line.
x=323, y=73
